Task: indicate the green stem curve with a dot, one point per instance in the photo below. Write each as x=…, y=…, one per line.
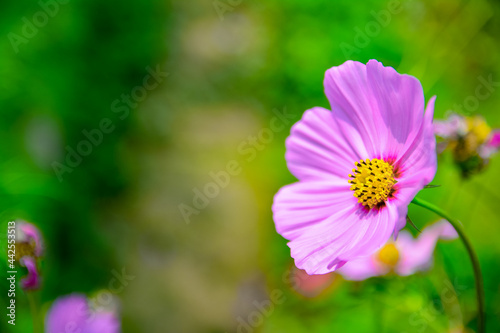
x=34, y=313
x=472, y=255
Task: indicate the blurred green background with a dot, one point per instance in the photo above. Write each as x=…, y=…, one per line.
x=231, y=66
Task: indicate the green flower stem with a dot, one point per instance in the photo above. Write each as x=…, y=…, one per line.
x=472, y=255
x=34, y=313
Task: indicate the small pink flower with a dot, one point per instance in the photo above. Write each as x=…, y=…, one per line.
x=29, y=248
x=377, y=125
x=451, y=128
x=405, y=256
x=32, y=280
x=495, y=139
x=310, y=285
x=470, y=140
x=28, y=236
x=72, y=314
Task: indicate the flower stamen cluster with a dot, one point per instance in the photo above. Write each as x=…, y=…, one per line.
x=372, y=181
x=389, y=255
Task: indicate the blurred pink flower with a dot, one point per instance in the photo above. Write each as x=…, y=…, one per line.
x=377, y=124
x=451, y=128
x=28, y=240
x=32, y=280
x=29, y=248
x=310, y=285
x=470, y=139
x=72, y=314
x=405, y=256
x=491, y=146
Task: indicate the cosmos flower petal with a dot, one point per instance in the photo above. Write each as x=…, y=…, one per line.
x=420, y=158
x=103, y=322
x=305, y=205
x=379, y=225
x=348, y=236
x=404, y=195
x=326, y=227
x=397, y=105
x=417, y=167
x=362, y=269
x=32, y=280
x=67, y=314
x=314, y=150
x=417, y=254
x=347, y=90
x=382, y=106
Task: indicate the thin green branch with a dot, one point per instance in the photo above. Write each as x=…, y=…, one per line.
x=34, y=313
x=472, y=255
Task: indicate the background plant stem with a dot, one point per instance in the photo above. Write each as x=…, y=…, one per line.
x=34, y=312
x=472, y=255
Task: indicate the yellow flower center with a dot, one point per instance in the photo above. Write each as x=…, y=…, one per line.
x=25, y=249
x=372, y=181
x=389, y=255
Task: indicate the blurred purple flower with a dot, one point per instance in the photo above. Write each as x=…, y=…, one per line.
x=29, y=248
x=310, y=285
x=28, y=240
x=405, y=256
x=491, y=146
x=453, y=127
x=32, y=280
x=377, y=123
x=72, y=314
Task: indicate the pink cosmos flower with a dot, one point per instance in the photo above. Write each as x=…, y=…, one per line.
x=377, y=126
x=72, y=314
x=405, y=256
